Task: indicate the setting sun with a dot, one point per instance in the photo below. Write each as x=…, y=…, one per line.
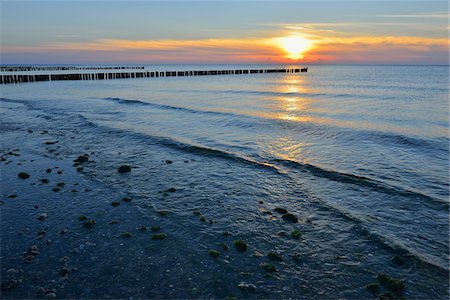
x=294, y=46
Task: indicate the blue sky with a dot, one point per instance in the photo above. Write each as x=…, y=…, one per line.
x=56, y=31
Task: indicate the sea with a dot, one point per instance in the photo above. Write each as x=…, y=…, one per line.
x=359, y=154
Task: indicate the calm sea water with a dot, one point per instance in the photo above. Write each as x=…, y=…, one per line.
x=361, y=151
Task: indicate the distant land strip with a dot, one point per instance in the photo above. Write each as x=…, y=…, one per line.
x=6, y=79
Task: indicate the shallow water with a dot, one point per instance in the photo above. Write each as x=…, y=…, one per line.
x=359, y=153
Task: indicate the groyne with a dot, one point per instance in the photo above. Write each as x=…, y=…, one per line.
x=22, y=78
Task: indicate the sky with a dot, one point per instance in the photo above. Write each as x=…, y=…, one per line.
x=232, y=32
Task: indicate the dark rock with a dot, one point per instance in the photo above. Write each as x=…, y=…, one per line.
x=168, y=161
x=226, y=233
x=48, y=170
x=240, y=245
x=89, y=223
x=171, y=190
x=124, y=169
x=126, y=199
x=290, y=218
x=59, y=172
x=214, y=253
x=33, y=250
x=51, y=143
x=155, y=228
x=374, y=288
x=44, y=180
x=115, y=203
x=280, y=210
x=23, y=175
x=274, y=256
x=12, y=196
x=268, y=267
x=42, y=217
x=82, y=218
x=29, y=258
x=395, y=286
x=82, y=159
x=261, y=202
x=202, y=219
x=397, y=261
x=296, y=234
x=197, y=213
x=56, y=189
x=126, y=235
x=73, y=191
x=159, y=236
x=60, y=184
x=142, y=228
x=80, y=169
x=64, y=231
x=64, y=271
x=223, y=245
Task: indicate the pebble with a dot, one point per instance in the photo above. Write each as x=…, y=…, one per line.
x=124, y=169
x=64, y=271
x=280, y=210
x=240, y=245
x=247, y=286
x=274, y=256
x=50, y=295
x=290, y=218
x=23, y=175
x=82, y=159
x=42, y=217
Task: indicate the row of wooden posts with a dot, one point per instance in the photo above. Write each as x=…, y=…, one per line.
x=63, y=68
x=5, y=79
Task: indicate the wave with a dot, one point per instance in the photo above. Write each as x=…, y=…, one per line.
x=188, y=147
x=170, y=107
x=440, y=143
x=382, y=241
x=373, y=184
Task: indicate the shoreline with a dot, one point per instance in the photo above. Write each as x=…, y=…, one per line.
x=201, y=219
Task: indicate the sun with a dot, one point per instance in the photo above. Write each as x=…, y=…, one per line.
x=294, y=46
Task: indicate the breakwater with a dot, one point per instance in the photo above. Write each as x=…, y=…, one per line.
x=22, y=78
x=63, y=68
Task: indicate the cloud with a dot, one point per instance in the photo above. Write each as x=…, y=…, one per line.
x=327, y=48
x=429, y=15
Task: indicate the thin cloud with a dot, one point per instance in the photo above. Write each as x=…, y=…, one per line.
x=431, y=15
